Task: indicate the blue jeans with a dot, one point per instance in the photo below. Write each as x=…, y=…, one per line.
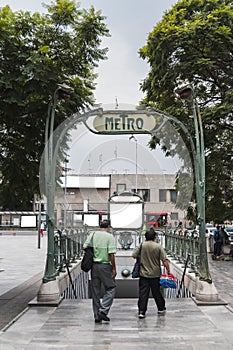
x=101, y=276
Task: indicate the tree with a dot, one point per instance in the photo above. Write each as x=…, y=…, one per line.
x=194, y=43
x=38, y=51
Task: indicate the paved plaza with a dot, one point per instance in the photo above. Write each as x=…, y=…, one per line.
x=186, y=325
x=20, y=259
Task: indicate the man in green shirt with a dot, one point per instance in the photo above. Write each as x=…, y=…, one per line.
x=103, y=271
x=151, y=256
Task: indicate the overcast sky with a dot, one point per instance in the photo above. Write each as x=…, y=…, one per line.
x=129, y=23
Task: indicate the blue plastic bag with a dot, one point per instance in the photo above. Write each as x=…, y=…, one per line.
x=168, y=281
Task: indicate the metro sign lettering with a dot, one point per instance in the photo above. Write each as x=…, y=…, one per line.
x=123, y=122
x=117, y=122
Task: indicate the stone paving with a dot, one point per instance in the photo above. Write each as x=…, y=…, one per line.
x=21, y=265
x=222, y=276
x=70, y=326
x=20, y=259
x=186, y=325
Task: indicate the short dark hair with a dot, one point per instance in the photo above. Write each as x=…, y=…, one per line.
x=150, y=235
x=105, y=223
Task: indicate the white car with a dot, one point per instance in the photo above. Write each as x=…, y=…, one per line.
x=229, y=231
x=210, y=231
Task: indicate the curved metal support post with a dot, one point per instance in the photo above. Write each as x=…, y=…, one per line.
x=50, y=270
x=50, y=161
x=199, y=169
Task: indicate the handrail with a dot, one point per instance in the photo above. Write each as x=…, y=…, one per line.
x=68, y=247
x=68, y=244
x=179, y=245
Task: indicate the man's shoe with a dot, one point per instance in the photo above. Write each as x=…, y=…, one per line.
x=103, y=317
x=141, y=315
x=97, y=320
x=162, y=312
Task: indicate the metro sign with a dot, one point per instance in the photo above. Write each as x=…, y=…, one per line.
x=124, y=122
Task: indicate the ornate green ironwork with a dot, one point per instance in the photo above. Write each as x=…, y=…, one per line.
x=175, y=246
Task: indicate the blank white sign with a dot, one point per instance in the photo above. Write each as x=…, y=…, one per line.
x=126, y=215
x=28, y=221
x=91, y=220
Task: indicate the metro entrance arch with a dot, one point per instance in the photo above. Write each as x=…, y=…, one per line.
x=116, y=122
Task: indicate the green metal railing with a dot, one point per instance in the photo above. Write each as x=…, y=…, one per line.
x=182, y=247
x=68, y=247
x=179, y=246
x=68, y=243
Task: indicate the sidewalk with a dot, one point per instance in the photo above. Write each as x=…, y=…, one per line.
x=21, y=272
x=70, y=325
x=222, y=276
x=20, y=259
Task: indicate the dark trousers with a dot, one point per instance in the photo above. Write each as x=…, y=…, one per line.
x=217, y=248
x=145, y=285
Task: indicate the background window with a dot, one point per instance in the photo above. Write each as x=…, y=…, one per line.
x=173, y=195
x=120, y=188
x=174, y=216
x=162, y=195
x=145, y=195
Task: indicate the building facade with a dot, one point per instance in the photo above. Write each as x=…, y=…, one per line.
x=90, y=193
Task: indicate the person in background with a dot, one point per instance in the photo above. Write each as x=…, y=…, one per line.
x=224, y=235
x=103, y=271
x=143, y=230
x=151, y=256
x=217, y=243
x=42, y=229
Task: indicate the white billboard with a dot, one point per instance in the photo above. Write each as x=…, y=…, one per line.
x=28, y=221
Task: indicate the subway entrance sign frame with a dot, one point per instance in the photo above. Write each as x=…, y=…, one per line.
x=126, y=211
x=126, y=122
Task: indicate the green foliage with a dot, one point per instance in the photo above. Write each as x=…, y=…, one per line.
x=192, y=215
x=194, y=43
x=38, y=51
